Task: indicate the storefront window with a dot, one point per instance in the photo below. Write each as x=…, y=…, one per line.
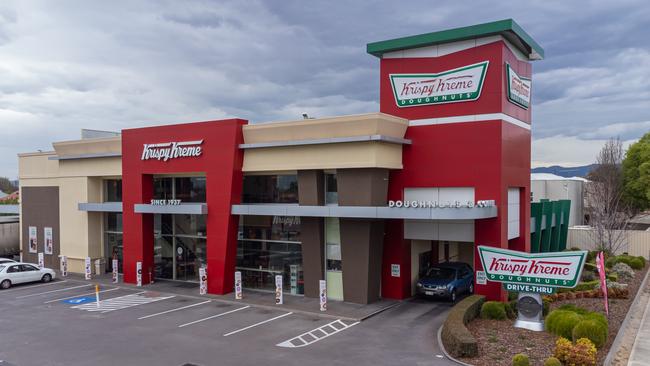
x=270, y=246
x=190, y=189
x=113, y=246
x=270, y=189
x=331, y=190
x=163, y=188
x=113, y=190
x=179, y=246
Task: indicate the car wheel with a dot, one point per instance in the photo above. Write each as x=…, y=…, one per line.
x=46, y=278
x=471, y=288
x=453, y=295
x=5, y=284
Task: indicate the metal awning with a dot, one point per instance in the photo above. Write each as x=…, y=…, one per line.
x=183, y=208
x=101, y=207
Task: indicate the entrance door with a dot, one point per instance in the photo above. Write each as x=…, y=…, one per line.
x=333, y=267
x=180, y=246
x=190, y=256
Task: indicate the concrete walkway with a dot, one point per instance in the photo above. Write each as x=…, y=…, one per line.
x=640, y=354
x=264, y=299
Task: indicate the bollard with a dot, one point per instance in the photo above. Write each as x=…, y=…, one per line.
x=278, y=290
x=203, y=281
x=97, y=294
x=138, y=273
x=64, y=266
x=115, y=264
x=41, y=260
x=238, y=289
x=322, y=284
x=88, y=269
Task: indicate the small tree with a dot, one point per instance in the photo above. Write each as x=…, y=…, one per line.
x=6, y=186
x=636, y=174
x=608, y=212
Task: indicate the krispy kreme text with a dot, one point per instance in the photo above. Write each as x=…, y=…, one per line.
x=171, y=150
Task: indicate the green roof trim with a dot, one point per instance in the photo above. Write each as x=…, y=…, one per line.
x=508, y=28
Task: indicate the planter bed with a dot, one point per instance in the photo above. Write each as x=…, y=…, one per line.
x=498, y=341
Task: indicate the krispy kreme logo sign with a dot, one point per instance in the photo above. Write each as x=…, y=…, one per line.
x=172, y=150
x=458, y=85
x=518, y=88
x=557, y=269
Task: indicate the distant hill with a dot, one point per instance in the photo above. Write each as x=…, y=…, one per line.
x=576, y=171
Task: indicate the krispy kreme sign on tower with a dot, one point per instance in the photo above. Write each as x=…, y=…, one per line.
x=518, y=88
x=557, y=269
x=171, y=150
x=457, y=85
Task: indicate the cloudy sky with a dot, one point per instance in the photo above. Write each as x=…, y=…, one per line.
x=67, y=65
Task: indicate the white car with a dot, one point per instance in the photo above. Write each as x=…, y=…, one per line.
x=18, y=272
x=6, y=260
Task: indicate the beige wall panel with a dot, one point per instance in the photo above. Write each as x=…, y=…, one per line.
x=89, y=146
x=356, y=125
x=74, y=223
x=91, y=167
x=37, y=166
x=326, y=156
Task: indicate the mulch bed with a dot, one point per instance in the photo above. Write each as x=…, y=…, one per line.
x=499, y=341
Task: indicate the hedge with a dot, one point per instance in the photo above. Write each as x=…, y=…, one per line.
x=456, y=338
x=494, y=310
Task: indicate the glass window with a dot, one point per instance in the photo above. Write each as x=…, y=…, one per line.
x=113, y=221
x=331, y=190
x=180, y=246
x=13, y=269
x=190, y=189
x=269, y=246
x=162, y=188
x=190, y=225
x=113, y=190
x=333, y=244
x=29, y=268
x=270, y=189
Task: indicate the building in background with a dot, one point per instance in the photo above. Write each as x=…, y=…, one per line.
x=554, y=187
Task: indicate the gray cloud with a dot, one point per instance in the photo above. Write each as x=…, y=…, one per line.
x=67, y=65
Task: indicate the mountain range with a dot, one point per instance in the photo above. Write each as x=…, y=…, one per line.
x=568, y=172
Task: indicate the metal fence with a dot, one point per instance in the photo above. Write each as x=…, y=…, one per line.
x=636, y=242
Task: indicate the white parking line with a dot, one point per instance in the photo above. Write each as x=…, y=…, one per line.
x=49, y=292
x=172, y=310
x=86, y=294
x=14, y=289
x=316, y=335
x=119, y=303
x=256, y=324
x=214, y=316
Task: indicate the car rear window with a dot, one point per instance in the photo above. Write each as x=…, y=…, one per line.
x=441, y=273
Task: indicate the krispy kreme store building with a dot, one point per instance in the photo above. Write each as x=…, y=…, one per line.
x=365, y=202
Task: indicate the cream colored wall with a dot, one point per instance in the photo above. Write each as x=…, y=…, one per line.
x=344, y=126
x=325, y=156
x=101, y=145
x=79, y=180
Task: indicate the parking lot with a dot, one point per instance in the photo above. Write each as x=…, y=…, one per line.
x=61, y=324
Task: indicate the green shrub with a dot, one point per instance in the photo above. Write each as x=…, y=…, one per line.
x=561, y=322
x=593, y=330
x=552, y=361
x=456, y=338
x=513, y=295
x=546, y=307
x=520, y=360
x=574, y=308
x=635, y=262
x=642, y=259
x=591, y=257
x=511, y=313
x=584, y=286
x=610, y=262
x=612, y=277
x=493, y=310
x=591, y=267
x=563, y=348
x=597, y=317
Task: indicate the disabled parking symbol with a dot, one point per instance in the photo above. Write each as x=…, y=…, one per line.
x=79, y=300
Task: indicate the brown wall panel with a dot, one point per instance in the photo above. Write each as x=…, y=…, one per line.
x=311, y=187
x=312, y=232
x=362, y=187
x=361, y=250
x=40, y=208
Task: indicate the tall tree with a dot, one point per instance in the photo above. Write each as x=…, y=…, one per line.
x=608, y=212
x=636, y=174
x=6, y=186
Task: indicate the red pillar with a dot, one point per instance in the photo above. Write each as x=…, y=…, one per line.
x=137, y=228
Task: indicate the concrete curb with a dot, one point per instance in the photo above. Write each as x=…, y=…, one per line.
x=444, y=351
x=621, y=331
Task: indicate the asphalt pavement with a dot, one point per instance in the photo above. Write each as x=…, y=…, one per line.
x=60, y=323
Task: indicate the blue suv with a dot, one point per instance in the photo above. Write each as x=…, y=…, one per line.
x=447, y=280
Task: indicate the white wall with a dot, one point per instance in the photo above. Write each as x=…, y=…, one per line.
x=513, y=213
x=450, y=230
x=562, y=190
